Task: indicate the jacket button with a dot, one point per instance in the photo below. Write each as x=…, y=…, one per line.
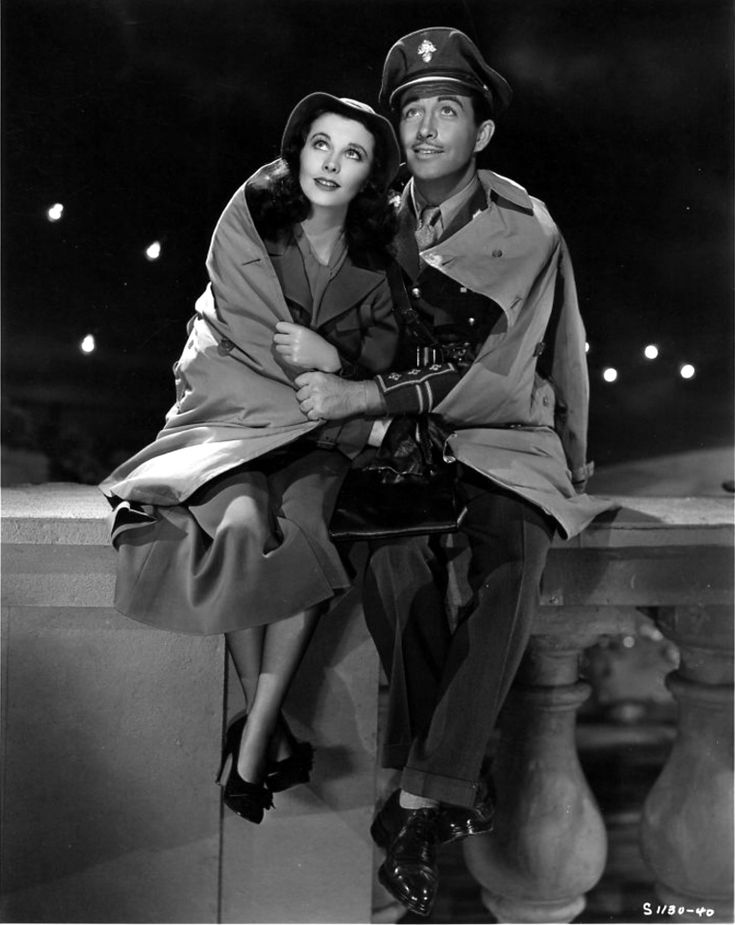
x=416, y=292
x=497, y=252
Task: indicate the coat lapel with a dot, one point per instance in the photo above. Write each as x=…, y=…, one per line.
x=289, y=267
x=407, y=252
x=350, y=286
x=477, y=203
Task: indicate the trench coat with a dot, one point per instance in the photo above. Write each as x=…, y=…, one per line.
x=526, y=433
x=235, y=396
x=207, y=545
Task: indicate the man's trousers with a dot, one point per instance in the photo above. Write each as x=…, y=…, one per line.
x=447, y=688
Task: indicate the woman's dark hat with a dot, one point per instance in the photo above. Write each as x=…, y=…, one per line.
x=350, y=109
x=441, y=56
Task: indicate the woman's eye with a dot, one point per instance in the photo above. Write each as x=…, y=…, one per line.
x=354, y=154
x=320, y=144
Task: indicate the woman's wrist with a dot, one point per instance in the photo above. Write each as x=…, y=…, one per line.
x=334, y=362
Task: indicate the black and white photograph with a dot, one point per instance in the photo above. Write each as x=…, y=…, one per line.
x=368, y=461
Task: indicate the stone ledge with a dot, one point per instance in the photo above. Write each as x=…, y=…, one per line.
x=70, y=514
x=648, y=552
x=132, y=716
x=55, y=513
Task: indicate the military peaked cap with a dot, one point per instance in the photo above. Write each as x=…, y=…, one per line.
x=441, y=55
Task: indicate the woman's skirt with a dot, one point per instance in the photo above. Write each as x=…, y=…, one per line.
x=248, y=548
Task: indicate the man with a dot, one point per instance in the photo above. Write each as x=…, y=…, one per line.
x=489, y=275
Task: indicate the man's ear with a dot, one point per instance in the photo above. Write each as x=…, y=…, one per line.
x=485, y=132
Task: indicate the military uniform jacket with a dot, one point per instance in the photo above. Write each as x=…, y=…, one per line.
x=235, y=396
x=525, y=432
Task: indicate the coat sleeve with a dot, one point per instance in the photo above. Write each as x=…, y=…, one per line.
x=570, y=376
x=415, y=391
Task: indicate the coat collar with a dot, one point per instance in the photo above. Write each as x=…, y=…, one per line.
x=490, y=254
x=508, y=191
x=495, y=189
x=351, y=285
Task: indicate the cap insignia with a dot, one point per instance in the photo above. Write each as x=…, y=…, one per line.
x=426, y=50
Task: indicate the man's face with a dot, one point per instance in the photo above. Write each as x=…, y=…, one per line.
x=440, y=136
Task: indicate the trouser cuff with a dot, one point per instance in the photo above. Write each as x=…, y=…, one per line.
x=443, y=789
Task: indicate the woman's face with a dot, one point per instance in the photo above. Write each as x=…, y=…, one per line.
x=335, y=161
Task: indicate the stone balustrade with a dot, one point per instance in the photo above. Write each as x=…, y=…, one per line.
x=111, y=733
x=673, y=557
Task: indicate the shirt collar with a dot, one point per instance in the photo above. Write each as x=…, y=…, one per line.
x=450, y=207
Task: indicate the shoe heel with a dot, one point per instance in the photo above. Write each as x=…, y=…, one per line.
x=296, y=769
x=229, y=748
x=379, y=833
x=224, y=771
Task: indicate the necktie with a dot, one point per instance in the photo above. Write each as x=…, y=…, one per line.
x=429, y=227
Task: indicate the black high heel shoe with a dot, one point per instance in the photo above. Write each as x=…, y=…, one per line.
x=279, y=775
x=296, y=769
x=250, y=801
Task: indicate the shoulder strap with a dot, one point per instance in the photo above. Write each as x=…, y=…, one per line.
x=407, y=314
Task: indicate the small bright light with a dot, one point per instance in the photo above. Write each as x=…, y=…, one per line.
x=628, y=641
x=650, y=352
x=610, y=374
x=88, y=345
x=55, y=212
x=586, y=347
x=687, y=371
x=153, y=251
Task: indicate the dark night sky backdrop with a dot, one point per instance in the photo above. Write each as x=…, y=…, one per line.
x=143, y=116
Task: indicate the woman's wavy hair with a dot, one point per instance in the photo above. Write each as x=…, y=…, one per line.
x=370, y=224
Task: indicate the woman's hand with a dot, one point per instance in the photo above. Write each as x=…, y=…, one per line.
x=304, y=348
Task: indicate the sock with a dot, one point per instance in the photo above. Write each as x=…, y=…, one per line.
x=408, y=800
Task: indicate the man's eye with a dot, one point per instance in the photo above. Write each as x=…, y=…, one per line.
x=448, y=111
x=410, y=113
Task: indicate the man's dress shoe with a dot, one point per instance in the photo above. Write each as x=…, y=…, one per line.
x=453, y=822
x=409, y=871
x=456, y=822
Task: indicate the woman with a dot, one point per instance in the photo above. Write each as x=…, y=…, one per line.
x=221, y=523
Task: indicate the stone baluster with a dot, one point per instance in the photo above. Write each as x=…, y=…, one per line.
x=549, y=844
x=687, y=824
